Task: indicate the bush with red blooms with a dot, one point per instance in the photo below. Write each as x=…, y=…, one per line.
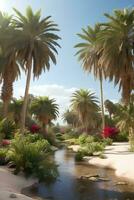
x=109, y=132
x=34, y=128
x=5, y=142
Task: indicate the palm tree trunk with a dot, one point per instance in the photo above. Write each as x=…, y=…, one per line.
x=5, y=108
x=102, y=102
x=24, y=107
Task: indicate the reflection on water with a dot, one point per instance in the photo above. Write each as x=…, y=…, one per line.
x=69, y=187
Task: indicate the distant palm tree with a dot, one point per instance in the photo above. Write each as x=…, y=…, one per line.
x=15, y=108
x=36, y=45
x=125, y=118
x=45, y=110
x=111, y=107
x=9, y=68
x=89, y=54
x=117, y=41
x=71, y=118
x=85, y=104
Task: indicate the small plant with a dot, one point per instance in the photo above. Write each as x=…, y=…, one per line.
x=107, y=141
x=79, y=156
x=7, y=127
x=3, y=153
x=82, y=139
x=91, y=148
x=85, y=139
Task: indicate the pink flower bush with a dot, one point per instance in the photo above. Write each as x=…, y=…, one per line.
x=109, y=132
x=5, y=142
x=34, y=128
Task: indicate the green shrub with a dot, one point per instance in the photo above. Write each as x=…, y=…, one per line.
x=85, y=139
x=7, y=127
x=121, y=137
x=32, y=157
x=82, y=139
x=79, y=156
x=91, y=148
x=3, y=153
x=31, y=138
x=107, y=141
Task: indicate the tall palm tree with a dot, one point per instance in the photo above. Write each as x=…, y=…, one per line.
x=36, y=44
x=9, y=68
x=89, y=54
x=117, y=41
x=85, y=104
x=45, y=110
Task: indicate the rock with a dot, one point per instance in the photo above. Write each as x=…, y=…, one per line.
x=92, y=178
x=13, y=195
x=121, y=183
x=103, y=179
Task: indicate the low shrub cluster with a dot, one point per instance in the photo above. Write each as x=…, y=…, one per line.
x=31, y=154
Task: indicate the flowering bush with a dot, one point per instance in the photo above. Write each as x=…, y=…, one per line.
x=109, y=132
x=34, y=128
x=5, y=142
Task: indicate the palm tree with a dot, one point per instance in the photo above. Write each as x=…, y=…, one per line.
x=89, y=54
x=117, y=41
x=125, y=118
x=9, y=70
x=71, y=118
x=85, y=105
x=36, y=46
x=15, y=108
x=111, y=107
x=45, y=110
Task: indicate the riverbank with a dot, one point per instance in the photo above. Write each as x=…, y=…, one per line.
x=118, y=158
x=11, y=185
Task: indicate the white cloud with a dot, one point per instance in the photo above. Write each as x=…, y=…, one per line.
x=59, y=92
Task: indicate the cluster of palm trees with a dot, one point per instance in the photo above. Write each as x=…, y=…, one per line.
x=107, y=51
x=27, y=43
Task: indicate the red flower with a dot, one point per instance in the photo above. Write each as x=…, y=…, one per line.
x=34, y=128
x=110, y=132
x=5, y=142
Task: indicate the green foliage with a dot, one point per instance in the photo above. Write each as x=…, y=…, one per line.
x=7, y=127
x=3, y=153
x=79, y=156
x=122, y=137
x=91, y=148
x=107, y=141
x=30, y=154
x=83, y=139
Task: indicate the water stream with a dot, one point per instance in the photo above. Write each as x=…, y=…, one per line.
x=70, y=187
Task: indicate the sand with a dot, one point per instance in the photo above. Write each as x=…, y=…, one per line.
x=12, y=184
x=118, y=158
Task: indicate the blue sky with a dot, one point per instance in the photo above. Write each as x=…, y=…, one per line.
x=67, y=75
